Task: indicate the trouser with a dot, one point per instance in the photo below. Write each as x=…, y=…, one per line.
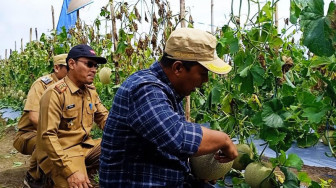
x=88, y=161
x=25, y=142
x=190, y=181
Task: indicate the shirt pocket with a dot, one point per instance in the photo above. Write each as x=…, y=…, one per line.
x=90, y=109
x=69, y=120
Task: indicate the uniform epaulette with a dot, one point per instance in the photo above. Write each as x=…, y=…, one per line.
x=61, y=87
x=46, y=80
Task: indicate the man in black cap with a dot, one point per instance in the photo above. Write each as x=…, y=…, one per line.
x=67, y=112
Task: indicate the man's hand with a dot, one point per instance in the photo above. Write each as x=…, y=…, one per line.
x=227, y=154
x=79, y=180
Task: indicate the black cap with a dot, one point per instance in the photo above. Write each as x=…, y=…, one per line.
x=83, y=50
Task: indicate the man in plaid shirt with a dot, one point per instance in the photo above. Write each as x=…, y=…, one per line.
x=147, y=140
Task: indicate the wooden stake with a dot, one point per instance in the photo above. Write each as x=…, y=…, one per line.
x=212, y=29
x=276, y=16
x=182, y=13
x=53, y=17
x=114, y=28
x=14, y=45
x=6, y=54
x=114, y=38
x=21, y=44
x=31, y=34
x=36, y=34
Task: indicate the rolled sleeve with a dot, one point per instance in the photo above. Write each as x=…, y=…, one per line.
x=193, y=137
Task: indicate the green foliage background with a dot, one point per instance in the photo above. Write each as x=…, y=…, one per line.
x=279, y=90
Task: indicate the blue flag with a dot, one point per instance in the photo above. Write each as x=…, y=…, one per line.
x=66, y=20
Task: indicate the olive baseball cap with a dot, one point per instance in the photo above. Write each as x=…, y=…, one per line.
x=60, y=59
x=83, y=50
x=191, y=44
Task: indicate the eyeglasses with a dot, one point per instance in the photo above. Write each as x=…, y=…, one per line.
x=90, y=64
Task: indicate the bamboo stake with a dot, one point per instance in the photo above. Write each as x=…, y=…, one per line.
x=31, y=34
x=53, y=17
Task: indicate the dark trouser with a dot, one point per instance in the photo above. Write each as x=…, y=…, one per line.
x=191, y=182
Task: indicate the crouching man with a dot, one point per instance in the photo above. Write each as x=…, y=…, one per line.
x=67, y=112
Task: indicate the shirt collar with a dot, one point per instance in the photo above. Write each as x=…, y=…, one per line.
x=54, y=77
x=161, y=75
x=73, y=88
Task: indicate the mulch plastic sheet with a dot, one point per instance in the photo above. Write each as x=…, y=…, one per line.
x=8, y=113
x=312, y=156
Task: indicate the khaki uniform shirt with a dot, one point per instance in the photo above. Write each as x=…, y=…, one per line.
x=33, y=99
x=66, y=118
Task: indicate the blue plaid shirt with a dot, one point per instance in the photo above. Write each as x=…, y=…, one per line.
x=146, y=140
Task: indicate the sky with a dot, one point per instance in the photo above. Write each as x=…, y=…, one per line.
x=18, y=16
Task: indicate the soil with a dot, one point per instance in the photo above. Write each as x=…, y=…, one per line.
x=14, y=165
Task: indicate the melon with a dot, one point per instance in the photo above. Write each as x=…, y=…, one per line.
x=208, y=168
x=257, y=175
x=245, y=155
x=104, y=75
x=330, y=137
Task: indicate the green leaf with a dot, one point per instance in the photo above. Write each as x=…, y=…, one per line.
x=215, y=96
x=317, y=34
x=314, y=184
x=121, y=47
x=258, y=75
x=291, y=181
x=294, y=12
x=282, y=157
x=272, y=113
x=303, y=177
x=317, y=61
x=314, y=114
x=247, y=84
x=265, y=14
x=226, y=103
x=244, y=72
x=307, y=140
x=239, y=58
x=275, y=42
x=17, y=164
x=272, y=136
x=276, y=68
x=294, y=161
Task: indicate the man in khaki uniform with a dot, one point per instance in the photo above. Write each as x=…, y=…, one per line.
x=25, y=139
x=67, y=112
